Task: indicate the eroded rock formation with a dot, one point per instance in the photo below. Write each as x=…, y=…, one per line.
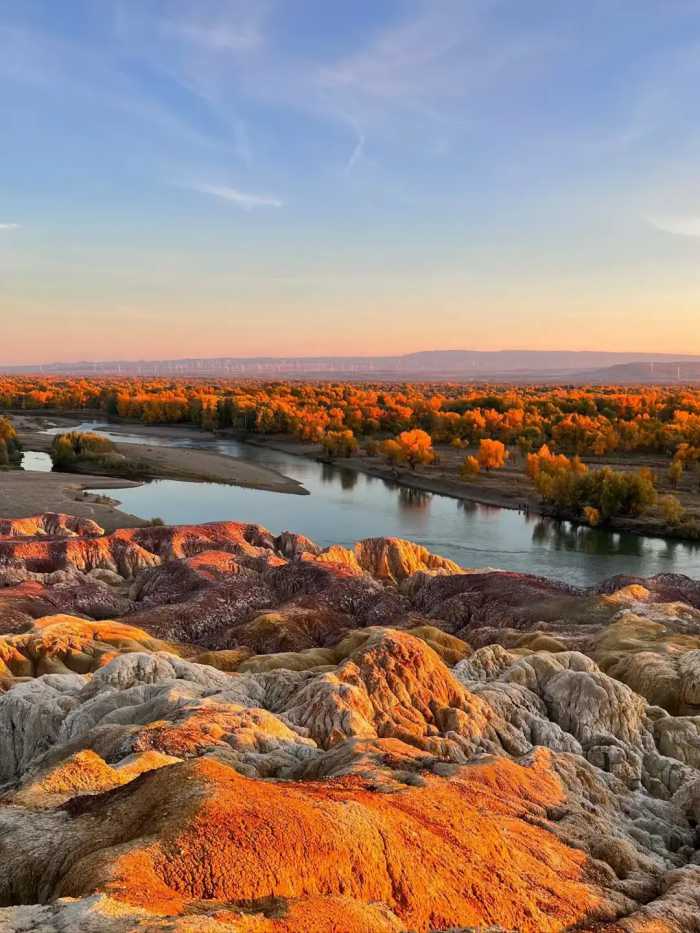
x=265, y=736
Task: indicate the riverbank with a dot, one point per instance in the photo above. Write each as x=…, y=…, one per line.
x=508, y=488
x=143, y=461
x=206, y=466
x=23, y=494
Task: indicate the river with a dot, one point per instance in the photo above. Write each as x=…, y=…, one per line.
x=36, y=461
x=345, y=506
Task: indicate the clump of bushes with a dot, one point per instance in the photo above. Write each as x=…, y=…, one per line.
x=492, y=455
x=10, y=449
x=68, y=449
x=593, y=495
x=339, y=444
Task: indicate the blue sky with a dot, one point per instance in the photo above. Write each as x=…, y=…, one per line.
x=294, y=176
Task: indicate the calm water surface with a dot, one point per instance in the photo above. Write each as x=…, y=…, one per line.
x=345, y=506
x=37, y=461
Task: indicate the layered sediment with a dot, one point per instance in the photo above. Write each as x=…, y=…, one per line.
x=215, y=728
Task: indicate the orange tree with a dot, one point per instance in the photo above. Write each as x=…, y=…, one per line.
x=411, y=447
x=492, y=454
x=417, y=447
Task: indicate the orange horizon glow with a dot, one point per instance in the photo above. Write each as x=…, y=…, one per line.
x=167, y=313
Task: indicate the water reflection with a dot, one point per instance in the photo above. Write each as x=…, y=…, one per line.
x=36, y=461
x=328, y=473
x=548, y=532
x=413, y=498
x=345, y=506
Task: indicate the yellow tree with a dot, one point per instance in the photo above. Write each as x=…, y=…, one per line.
x=416, y=447
x=469, y=468
x=339, y=443
x=675, y=473
x=492, y=454
x=393, y=452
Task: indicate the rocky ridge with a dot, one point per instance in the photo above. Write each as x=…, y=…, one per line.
x=215, y=728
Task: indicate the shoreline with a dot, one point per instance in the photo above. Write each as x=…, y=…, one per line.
x=188, y=464
x=509, y=488
x=26, y=493
x=513, y=498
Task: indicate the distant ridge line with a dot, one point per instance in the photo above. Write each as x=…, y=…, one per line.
x=462, y=365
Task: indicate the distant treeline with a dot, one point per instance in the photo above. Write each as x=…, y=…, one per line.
x=583, y=421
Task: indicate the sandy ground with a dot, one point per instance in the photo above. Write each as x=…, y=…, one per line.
x=23, y=494
x=185, y=463
x=208, y=466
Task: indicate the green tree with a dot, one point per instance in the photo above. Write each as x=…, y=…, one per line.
x=8, y=436
x=62, y=452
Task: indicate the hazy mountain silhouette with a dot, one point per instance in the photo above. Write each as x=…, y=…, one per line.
x=506, y=365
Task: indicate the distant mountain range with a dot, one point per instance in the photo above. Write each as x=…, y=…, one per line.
x=462, y=365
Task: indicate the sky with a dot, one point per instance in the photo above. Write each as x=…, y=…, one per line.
x=187, y=178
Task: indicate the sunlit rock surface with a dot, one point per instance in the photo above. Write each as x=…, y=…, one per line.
x=215, y=728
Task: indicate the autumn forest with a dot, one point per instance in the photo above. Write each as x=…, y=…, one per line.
x=595, y=454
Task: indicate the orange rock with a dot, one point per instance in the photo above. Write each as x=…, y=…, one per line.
x=456, y=852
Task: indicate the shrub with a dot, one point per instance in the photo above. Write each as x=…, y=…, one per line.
x=469, y=468
x=67, y=448
x=592, y=515
x=671, y=509
x=339, y=443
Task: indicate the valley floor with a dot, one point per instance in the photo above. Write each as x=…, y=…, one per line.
x=508, y=488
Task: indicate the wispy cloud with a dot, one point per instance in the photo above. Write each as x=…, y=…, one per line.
x=437, y=60
x=678, y=225
x=9, y=226
x=221, y=37
x=429, y=71
x=358, y=149
x=243, y=199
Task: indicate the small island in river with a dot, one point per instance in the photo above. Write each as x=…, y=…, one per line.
x=126, y=465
